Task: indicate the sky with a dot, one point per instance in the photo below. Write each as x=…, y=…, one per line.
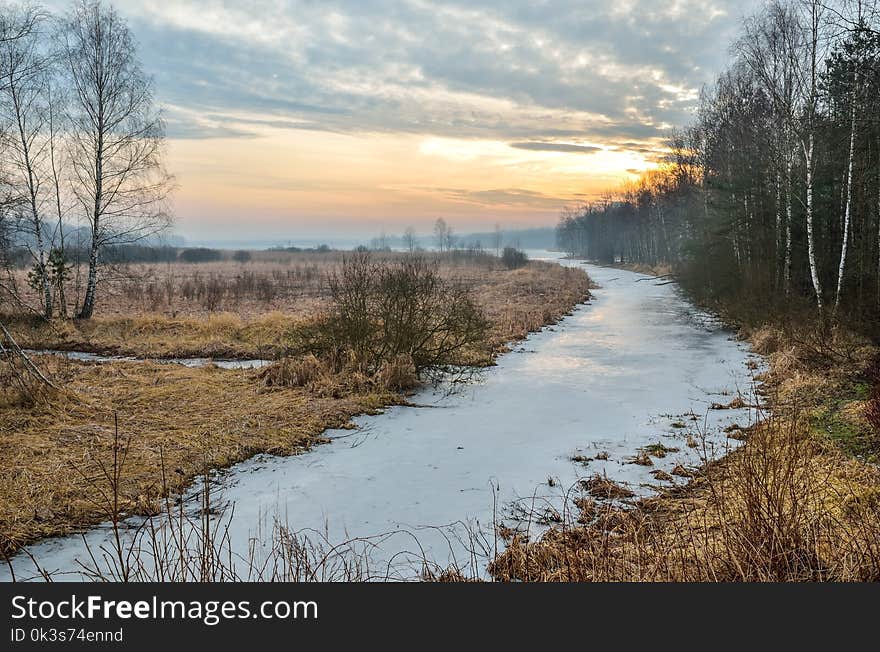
x=298, y=119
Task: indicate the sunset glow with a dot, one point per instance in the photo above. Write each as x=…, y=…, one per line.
x=291, y=120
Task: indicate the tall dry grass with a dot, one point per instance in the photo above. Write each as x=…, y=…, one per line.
x=219, y=310
x=783, y=508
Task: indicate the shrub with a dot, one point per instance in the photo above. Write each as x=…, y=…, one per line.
x=514, y=258
x=242, y=256
x=383, y=312
x=200, y=255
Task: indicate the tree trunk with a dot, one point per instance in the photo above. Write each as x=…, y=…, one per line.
x=60, y=280
x=847, y=210
x=811, y=240
x=788, y=218
x=41, y=262
x=777, y=254
x=88, y=305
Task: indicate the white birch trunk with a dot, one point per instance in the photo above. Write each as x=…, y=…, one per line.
x=811, y=239
x=788, y=218
x=847, y=210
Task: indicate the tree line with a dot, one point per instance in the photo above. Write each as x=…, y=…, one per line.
x=772, y=195
x=82, y=145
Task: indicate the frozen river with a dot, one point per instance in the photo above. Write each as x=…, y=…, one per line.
x=624, y=371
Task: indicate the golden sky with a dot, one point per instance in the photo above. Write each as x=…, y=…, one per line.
x=290, y=119
x=388, y=181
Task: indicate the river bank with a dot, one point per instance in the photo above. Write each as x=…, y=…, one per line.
x=800, y=501
x=636, y=373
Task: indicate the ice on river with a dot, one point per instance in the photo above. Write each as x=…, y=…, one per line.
x=84, y=356
x=624, y=371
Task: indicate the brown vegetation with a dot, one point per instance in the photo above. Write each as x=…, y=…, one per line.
x=193, y=419
x=149, y=310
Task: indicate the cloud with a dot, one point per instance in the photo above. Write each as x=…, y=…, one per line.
x=538, y=146
x=505, y=70
x=504, y=198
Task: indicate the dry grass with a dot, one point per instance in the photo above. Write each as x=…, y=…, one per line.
x=783, y=508
x=660, y=269
x=192, y=418
x=187, y=420
x=220, y=335
x=517, y=302
x=522, y=301
x=826, y=375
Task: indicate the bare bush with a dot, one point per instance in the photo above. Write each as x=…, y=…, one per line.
x=514, y=258
x=384, y=310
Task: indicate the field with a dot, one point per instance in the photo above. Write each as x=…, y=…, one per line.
x=233, y=310
x=169, y=422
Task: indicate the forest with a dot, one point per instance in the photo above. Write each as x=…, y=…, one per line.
x=770, y=199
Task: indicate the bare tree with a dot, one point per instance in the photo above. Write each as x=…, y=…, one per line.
x=814, y=21
x=410, y=240
x=858, y=43
x=17, y=27
x=116, y=135
x=25, y=66
x=497, y=239
x=442, y=234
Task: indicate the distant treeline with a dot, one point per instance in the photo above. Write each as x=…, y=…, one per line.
x=772, y=197
x=21, y=257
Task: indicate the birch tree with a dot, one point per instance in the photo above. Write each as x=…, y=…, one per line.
x=116, y=136
x=809, y=88
x=26, y=68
